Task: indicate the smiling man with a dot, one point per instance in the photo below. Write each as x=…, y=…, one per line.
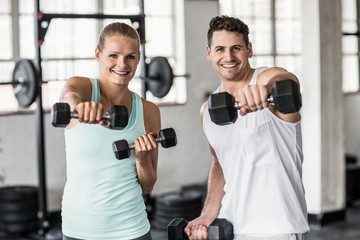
x=255, y=179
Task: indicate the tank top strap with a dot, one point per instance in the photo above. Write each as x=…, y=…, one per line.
x=95, y=93
x=256, y=73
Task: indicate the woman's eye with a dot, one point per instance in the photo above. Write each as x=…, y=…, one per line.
x=113, y=56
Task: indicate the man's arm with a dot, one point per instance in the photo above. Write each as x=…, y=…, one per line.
x=269, y=77
x=197, y=228
x=255, y=97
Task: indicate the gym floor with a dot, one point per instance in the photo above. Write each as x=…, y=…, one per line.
x=346, y=230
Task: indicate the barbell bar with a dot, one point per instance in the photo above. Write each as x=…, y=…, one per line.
x=26, y=85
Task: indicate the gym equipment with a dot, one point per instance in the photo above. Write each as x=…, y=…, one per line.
x=24, y=82
x=285, y=95
x=176, y=204
x=167, y=138
x=159, y=77
x=220, y=228
x=61, y=115
x=18, y=209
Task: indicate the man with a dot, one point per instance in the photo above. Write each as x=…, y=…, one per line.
x=255, y=177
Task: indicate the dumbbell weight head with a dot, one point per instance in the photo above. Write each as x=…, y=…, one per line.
x=61, y=114
x=167, y=138
x=221, y=108
x=118, y=117
x=222, y=229
x=121, y=149
x=175, y=229
x=286, y=96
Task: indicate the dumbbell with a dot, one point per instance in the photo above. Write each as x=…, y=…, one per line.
x=285, y=95
x=219, y=229
x=61, y=116
x=167, y=138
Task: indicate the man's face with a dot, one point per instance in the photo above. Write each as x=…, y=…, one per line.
x=229, y=55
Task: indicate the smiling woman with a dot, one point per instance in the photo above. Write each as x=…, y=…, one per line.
x=118, y=55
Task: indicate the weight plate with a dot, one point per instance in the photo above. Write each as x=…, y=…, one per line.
x=168, y=217
x=18, y=227
x=160, y=77
x=6, y=207
x=24, y=81
x=17, y=217
x=18, y=193
x=173, y=212
x=179, y=199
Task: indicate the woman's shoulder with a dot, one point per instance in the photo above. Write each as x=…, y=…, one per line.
x=150, y=106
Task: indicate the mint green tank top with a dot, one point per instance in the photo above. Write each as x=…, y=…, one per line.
x=102, y=197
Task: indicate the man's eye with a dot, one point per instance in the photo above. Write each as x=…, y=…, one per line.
x=113, y=56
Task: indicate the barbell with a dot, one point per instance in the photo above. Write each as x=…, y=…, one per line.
x=24, y=82
x=26, y=85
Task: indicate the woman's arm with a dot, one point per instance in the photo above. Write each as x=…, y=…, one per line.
x=146, y=149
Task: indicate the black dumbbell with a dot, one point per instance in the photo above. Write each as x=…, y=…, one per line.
x=220, y=228
x=167, y=138
x=61, y=116
x=285, y=95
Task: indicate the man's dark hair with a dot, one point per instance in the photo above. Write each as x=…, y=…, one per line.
x=230, y=24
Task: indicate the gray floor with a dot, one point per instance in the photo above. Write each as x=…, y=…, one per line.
x=346, y=230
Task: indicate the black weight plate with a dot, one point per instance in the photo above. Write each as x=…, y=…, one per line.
x=17, y=217
x=179, y=199
x=160, y=77
x=169, y=218
x=18, y=193
x=177, y=210
x=159, y=225
x=6, y=207
x=24, y=80
x=18, y=227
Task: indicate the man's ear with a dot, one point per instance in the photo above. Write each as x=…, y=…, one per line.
x=208, y=52
x=249, y=47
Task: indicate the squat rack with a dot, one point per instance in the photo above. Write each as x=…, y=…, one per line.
x=42, y=22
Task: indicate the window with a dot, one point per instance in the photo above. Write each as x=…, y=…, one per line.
x=350, y=45
x=269, y=21
x=69, y=44
x=275, y=19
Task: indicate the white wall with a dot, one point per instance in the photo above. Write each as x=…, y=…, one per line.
x=322, y=112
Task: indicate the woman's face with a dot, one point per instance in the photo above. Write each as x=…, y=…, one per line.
x=119, y=59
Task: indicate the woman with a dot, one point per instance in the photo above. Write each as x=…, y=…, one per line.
x=103, y=196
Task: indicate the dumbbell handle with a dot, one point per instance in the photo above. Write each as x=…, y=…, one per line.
x=158, y=139
x=106, y=115
x=237, y=104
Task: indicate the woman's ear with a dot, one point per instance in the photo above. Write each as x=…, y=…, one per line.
x=97, y=54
